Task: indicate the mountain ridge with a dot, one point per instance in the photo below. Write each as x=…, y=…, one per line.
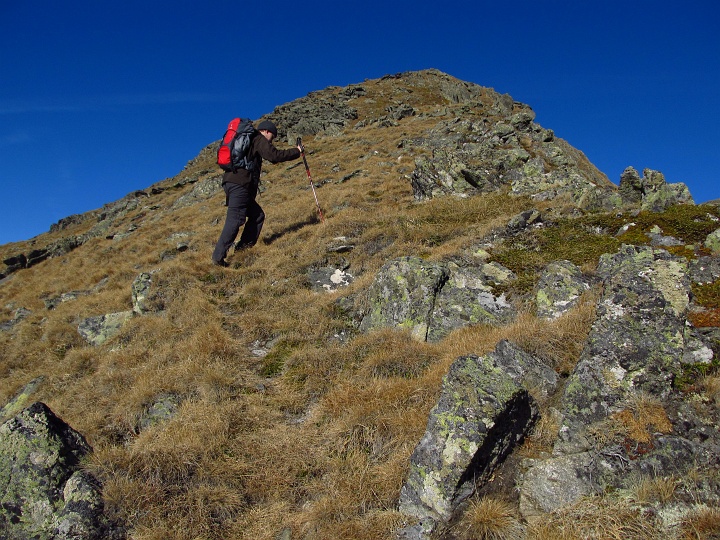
x=287, y=395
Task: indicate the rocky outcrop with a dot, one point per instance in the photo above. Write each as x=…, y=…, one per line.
x=98, y=329
x=622, y=417
x=45, y=494
x=651, y=192
x=560, y=286
x=526, y=370
x=201, y=191
x=496, y=144
x=143, y=299
x=54, y=249
x=432, y=299
x=403, y=296
x=319, y=113
x=482, y=414
x=636, y=342
x=467, y=297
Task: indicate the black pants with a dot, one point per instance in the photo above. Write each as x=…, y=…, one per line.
x=241, y=206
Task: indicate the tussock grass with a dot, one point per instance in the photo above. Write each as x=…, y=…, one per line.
x=711, y=386
x=543, y=435
x=634, y=425
x=313, y=435
x=596, y=518
x=700, y=525
x=645, y=415
x=654, y=489
x=490, y=519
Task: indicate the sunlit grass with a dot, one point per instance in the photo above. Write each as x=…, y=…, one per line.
x=280, y=423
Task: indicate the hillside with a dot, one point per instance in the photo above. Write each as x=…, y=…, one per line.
x=287, y=395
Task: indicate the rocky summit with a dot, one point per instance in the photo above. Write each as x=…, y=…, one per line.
x=484, y=338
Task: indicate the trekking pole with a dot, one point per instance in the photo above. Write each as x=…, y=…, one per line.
x=307, y=169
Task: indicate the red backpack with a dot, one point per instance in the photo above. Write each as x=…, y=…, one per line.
x=234, y=146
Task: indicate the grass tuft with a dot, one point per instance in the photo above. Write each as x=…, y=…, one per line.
x=490, y=519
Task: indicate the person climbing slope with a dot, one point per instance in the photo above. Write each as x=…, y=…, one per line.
x=241, y=188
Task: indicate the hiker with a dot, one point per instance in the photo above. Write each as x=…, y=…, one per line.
x=241, y=188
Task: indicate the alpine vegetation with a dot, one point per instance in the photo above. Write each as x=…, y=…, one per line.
x=457, y=327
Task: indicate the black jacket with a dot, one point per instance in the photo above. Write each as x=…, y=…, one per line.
x=260, y=148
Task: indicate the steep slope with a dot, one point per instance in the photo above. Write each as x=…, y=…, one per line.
x=260, y=400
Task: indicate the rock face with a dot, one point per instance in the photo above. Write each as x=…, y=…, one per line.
x=496, y=143
x=481, y=415
x=559, y=289
x=432, y=299
x=45, y=495
x=636, y=342
x=651, y=192
x=622, y=418
x=403, y=295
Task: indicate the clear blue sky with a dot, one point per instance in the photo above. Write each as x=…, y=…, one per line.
x=102, y=98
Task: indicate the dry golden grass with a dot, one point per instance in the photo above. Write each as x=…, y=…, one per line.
x=315, y=436
x=709, y=317
x=711, y=386
x=543, y=436
x=645, y=415
x=701, y=524
x=596, y=519
x=561, y=341
x=490, y=519
x=655, y=489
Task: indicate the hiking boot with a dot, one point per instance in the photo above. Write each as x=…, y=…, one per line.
x=243, y=247
x=220, y=263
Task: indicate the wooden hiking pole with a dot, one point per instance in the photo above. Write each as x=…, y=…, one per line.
x=312, y=185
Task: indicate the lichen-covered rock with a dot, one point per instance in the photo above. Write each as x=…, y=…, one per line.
x=636, y=342
x=163, y=408
x=82, y=515
x=97, y=330
x=43, y=494
x=467, y=298
x=560, y=286
x=651, y=192
x=705, y=270
x=329, y=278
x=403, y=295
x=525, y=369
x=666, y=196
x=432, y=299
x=524, y=220
x=201, y=191
x=140, y=293
x=550, y=484
x=712, y=242
x=622, y=418
x=480, y=417
x=501, y=146
x=146, y=297
x=21, y=399
x=631, y=187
